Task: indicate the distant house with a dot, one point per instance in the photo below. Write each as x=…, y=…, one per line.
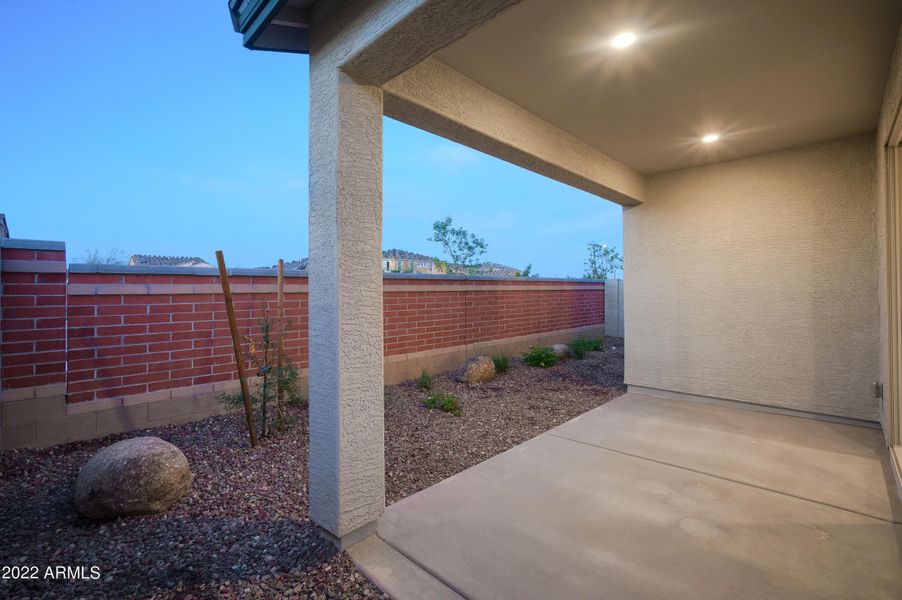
x=402, y=261
x=411, y=262
x=149, y=260
x=491, y=269
x=486, y=269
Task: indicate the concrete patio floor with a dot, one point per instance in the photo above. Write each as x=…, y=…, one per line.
x=648, y=497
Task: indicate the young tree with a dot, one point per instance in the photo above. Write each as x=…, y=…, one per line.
x=441, y=266
x=461, y=246
x=96, y=257
x=273, y=376
x=603, y=262
x=527, y=272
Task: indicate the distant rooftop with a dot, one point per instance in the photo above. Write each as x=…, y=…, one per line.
x=404, y=255
x=167, y=261
x=497, y=270
x=294, y=265
x=490, y=269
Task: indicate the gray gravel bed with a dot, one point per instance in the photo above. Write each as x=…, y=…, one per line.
x=243, y=531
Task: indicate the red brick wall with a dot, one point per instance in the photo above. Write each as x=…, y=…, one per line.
x=479, y=310
x=33, y=325
x=139, y=333
x=154, y=336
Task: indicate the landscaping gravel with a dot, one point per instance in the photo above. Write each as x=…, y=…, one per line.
x=242, y=531
x=422, y=447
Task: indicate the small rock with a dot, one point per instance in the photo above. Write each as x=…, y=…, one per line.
x=478, y=369
x=138, y=476
x=562, y=351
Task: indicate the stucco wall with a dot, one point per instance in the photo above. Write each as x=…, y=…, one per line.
x=756, y=280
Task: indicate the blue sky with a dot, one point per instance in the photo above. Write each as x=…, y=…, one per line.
x=125, y=128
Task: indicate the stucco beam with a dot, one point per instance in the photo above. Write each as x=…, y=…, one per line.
x=438, y=99
x=402, y=33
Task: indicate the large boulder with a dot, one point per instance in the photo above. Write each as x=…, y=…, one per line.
x=478, y=369
x=562, y=351
x=139, y=476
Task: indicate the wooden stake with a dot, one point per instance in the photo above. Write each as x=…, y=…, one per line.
x=280, y=350
x=236, y=345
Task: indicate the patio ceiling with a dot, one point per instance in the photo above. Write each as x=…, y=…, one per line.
x=765, y=75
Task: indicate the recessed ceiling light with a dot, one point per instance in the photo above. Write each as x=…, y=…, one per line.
x=622, y=40
x=711, y=137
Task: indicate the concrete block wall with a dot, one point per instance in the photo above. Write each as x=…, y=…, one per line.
x=95, y=350
x=41, y=416
x=613, y=307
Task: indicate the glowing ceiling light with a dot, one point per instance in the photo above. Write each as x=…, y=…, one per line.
x=622, y=40
x=711, y=137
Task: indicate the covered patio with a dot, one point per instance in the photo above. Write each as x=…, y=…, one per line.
x=754, y=148
x=649, y=497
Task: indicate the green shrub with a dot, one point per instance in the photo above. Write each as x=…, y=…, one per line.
x=501, y=363
x=424, y=382
x=581, y=345
x=444, y=402
x=540, y=356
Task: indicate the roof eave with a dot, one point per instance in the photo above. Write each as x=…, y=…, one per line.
x=271, y=25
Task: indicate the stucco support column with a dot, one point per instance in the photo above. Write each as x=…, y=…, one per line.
x=347, y=474
x=355, y=46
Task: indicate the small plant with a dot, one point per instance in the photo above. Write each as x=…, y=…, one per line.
x=541, y=356
x=274, y=377
x=501, y=363
x=425, y=380
x=581, y=345
x=444, y=402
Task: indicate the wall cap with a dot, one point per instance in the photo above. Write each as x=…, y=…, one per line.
x=238, y=272
x=165, y=270
x=389, y=275
x=31, y=244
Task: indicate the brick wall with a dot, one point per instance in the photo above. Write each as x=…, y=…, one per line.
x=33, y=322
x=135, y=331
x=144, y=332
x=427, y=314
